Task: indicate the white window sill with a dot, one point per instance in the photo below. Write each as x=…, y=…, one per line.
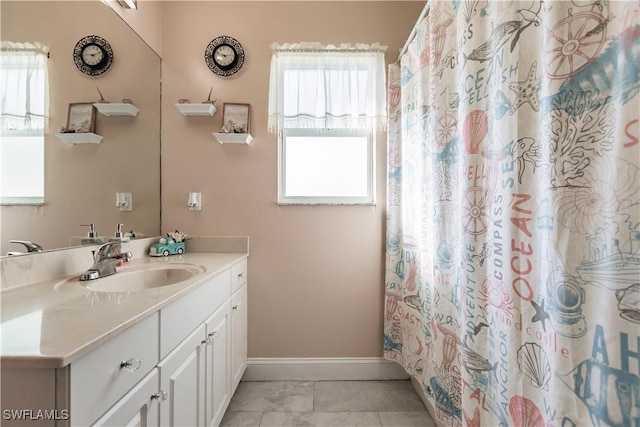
x=21, y=201
x=292, y=203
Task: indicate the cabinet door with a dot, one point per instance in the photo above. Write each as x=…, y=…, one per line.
x=218, y=365
x=138, y=408
x=238, y=336
x=182, y=378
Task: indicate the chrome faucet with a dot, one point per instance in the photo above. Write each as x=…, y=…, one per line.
x=105, y=260
x=30, y=246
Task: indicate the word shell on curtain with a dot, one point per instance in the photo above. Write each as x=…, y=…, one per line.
x=513, y=233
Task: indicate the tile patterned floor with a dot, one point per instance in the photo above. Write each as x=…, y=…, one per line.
x=327, y=404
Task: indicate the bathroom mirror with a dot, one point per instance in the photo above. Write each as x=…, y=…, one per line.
x=81, y=180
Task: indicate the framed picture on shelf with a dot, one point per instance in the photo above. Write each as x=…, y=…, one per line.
x=235, y=118
x=82, y=117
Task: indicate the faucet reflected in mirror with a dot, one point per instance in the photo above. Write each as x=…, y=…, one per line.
x=105, y=259
x=31, y=247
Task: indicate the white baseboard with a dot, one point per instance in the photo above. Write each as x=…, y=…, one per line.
x=323, y=369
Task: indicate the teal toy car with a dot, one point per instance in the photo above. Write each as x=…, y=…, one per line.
x=167, y=246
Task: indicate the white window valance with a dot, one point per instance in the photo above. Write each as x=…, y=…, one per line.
x=315, y=86
x=24, y=87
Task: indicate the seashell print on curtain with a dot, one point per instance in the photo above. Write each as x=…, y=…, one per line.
x=512, y=289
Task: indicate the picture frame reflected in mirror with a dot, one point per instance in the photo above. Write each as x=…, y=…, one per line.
x=82, y=117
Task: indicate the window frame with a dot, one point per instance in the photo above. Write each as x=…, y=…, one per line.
x=285, y=200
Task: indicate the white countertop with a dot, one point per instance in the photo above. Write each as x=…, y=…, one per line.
x=45, y=326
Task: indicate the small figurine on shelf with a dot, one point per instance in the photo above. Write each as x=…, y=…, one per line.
x=239, y=129
x=232, y=127
x=134, y=234
x=209, y=101
x=174, y=243
x=102, y=100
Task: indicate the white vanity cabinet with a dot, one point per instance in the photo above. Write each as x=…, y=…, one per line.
x=199, y=373
x=177, y=367
x=195, y=374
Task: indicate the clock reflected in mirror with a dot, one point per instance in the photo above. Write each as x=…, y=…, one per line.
x=93, y=55
x=224, y=56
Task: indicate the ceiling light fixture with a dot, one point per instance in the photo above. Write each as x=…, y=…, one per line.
x=129, y=4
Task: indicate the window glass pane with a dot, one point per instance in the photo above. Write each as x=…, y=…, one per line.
x=319, y=166
x=22, y=166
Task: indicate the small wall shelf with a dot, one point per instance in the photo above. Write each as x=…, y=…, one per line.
x=117, y=109
x=187, y=110
x=80, y=138
x=233, y=138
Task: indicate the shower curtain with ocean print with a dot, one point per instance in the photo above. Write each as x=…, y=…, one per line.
x=512, y=287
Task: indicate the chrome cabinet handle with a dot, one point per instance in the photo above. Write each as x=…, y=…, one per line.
x=210, y=338
x=235, y=307
x=131, y=365
x=161, y=396
x=241, y=275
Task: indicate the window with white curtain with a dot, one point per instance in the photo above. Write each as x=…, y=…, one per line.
x=326, y=103
x=24, y=105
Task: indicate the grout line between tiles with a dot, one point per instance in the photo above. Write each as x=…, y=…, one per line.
x=379, y=418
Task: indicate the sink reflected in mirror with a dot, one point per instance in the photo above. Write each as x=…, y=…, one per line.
x=135, y=278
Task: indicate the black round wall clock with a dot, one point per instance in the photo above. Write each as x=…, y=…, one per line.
x=224, y=56
x=93, y=55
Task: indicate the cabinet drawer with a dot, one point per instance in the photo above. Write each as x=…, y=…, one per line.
x=238, y=275
x=180, y=318
x=100, y=378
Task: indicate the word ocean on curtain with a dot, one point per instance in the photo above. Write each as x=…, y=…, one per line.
x=512, y=287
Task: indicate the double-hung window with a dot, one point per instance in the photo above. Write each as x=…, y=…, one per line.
x=23, y=121
x=326, y=103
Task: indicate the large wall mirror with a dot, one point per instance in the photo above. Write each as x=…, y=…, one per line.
x=81, y=180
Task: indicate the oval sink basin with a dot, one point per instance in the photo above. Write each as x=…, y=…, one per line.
x=139, y=278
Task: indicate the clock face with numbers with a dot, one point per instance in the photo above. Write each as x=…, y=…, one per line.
x=93, y=55
x=224, y=56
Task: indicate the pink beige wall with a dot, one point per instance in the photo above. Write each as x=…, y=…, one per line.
x=316, y=272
